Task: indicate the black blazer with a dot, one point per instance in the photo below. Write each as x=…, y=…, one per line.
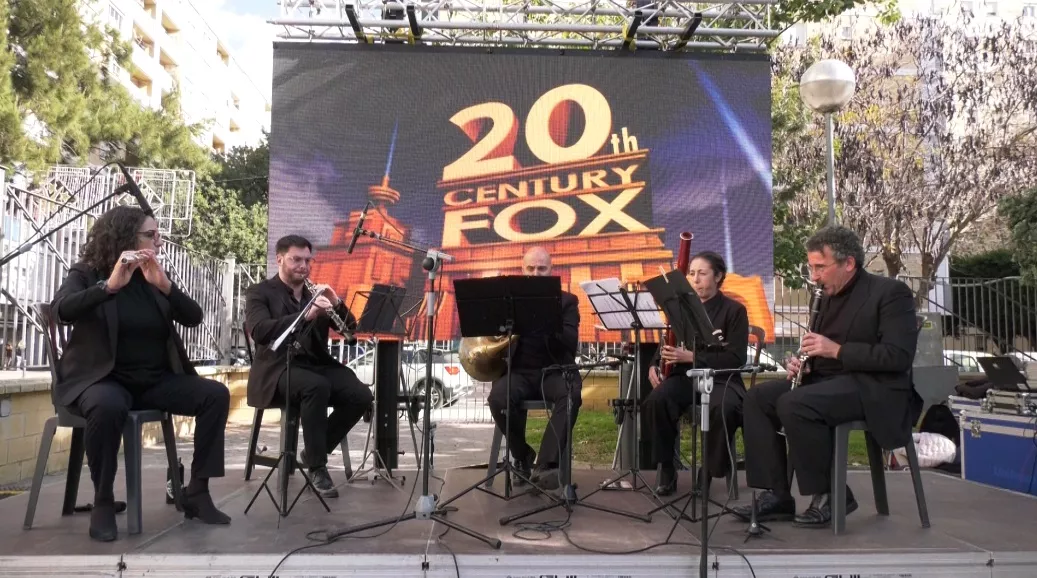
x=89, y=355
x=732, y=318
x=268, y=314
x=878, y=353
x=556, y=348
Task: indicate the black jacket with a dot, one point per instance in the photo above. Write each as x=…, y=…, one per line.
x=732, y=318
x=881, y=337
x=89, y=355
x=540, y=350
x=269, y=312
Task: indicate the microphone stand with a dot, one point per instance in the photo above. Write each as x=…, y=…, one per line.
x=426, y=507
x=287, y=462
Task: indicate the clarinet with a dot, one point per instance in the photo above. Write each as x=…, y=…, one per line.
x=336, y=319
x=815, y=308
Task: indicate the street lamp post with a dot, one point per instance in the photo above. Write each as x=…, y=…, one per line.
x=826, y=87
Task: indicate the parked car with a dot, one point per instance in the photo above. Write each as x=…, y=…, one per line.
x=450, y=382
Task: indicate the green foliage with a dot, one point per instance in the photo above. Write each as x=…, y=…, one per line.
x=230, y=207
x=789, y=12
x=1021, y=212
x=58, y=103
x=989, y=265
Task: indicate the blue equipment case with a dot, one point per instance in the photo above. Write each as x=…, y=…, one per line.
x=999, y=449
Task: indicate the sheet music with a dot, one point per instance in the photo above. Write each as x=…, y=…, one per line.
x=612, y=308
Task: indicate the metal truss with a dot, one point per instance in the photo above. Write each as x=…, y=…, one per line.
x=601, y=24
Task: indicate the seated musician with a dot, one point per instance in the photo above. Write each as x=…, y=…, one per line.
x=860, y=356
x=317, y=379
x=672, y=395
x=530, y=354
x=125, y=354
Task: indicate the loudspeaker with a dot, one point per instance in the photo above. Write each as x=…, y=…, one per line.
x=388, y=359
x=644, y=448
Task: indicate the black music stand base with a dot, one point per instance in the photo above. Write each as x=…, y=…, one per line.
x=283, y=507
x=755, y=529
x=426, y=507
x=378, y=470
x=568, y=497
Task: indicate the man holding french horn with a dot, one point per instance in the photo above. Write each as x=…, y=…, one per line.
x=858, y=352
x=318, y=380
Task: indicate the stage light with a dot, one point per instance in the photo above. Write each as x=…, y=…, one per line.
x=415, y=28
x=392, y=10
x=354, y=23
x=630, y=32
x=689, y=31
x=826, y=87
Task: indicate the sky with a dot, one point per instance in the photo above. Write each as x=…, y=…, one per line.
x=242, y=24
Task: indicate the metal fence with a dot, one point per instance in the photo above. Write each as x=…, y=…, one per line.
x=33, y=214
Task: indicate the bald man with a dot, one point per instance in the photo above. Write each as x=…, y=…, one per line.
x=530, y=355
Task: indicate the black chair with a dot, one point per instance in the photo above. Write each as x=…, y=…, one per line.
x=289, y=430
x=498, y=437
x=132, y=444
x=876, y=464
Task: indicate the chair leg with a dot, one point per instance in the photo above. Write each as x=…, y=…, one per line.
x=346, y=463
x=131, y=444
x=169, y=437
x=41, y=470
x=76, y=452
x=491, y=466
x=878, y=475
x=838, y=495
x=253, y=444
x=916, y=479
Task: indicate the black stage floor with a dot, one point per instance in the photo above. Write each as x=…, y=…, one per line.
x=970, y=521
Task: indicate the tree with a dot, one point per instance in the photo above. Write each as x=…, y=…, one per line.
x=58, y=103
x=1021, y=212
x=789, y=12
x=941, y=128
x=230, y=207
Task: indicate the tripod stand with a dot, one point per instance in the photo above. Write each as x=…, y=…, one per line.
x=567, y=491
x=622, y=312
x=426, y=507
x=287, y=462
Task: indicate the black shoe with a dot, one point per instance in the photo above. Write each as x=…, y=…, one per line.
x=102, y=522
x=819, y=513
x=769, y=508
x=523, y=469
x=322, y=481
x=546, y=478
x=200, y=506
x=667, y=483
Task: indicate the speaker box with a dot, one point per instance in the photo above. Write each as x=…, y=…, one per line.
x=388, y=358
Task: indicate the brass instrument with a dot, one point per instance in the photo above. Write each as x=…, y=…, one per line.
x=485, y=358
x=815, y=308
x=336, y=319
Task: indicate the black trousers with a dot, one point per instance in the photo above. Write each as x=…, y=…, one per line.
x=667, y=402
x=106, y=404
x=525, y=385
x=313, y=390
x=809, y=414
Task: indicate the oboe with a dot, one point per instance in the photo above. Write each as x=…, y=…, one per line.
x=336, y=319
x=815, y=308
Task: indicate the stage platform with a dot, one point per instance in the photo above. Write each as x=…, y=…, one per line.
x=977, y=531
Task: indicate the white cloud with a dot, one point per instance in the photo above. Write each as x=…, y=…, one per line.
x=248, y=37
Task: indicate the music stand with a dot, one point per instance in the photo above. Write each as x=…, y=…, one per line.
x=287, y=462
x=620, y=309
x=691, y=323
x=489, y=307
x=381, y=316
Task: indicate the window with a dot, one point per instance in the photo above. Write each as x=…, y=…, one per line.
x=966, y=6
x=1030, y=11
x=115, y=17
x=990, y=8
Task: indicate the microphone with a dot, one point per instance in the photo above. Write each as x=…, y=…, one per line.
x=132, y=188
x=359, y=229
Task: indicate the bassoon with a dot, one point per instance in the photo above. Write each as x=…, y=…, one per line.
x=683, y=262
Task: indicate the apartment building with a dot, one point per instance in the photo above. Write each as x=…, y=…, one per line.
x=174, y=47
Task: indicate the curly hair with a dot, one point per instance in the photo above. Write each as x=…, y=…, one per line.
x=112, y=233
